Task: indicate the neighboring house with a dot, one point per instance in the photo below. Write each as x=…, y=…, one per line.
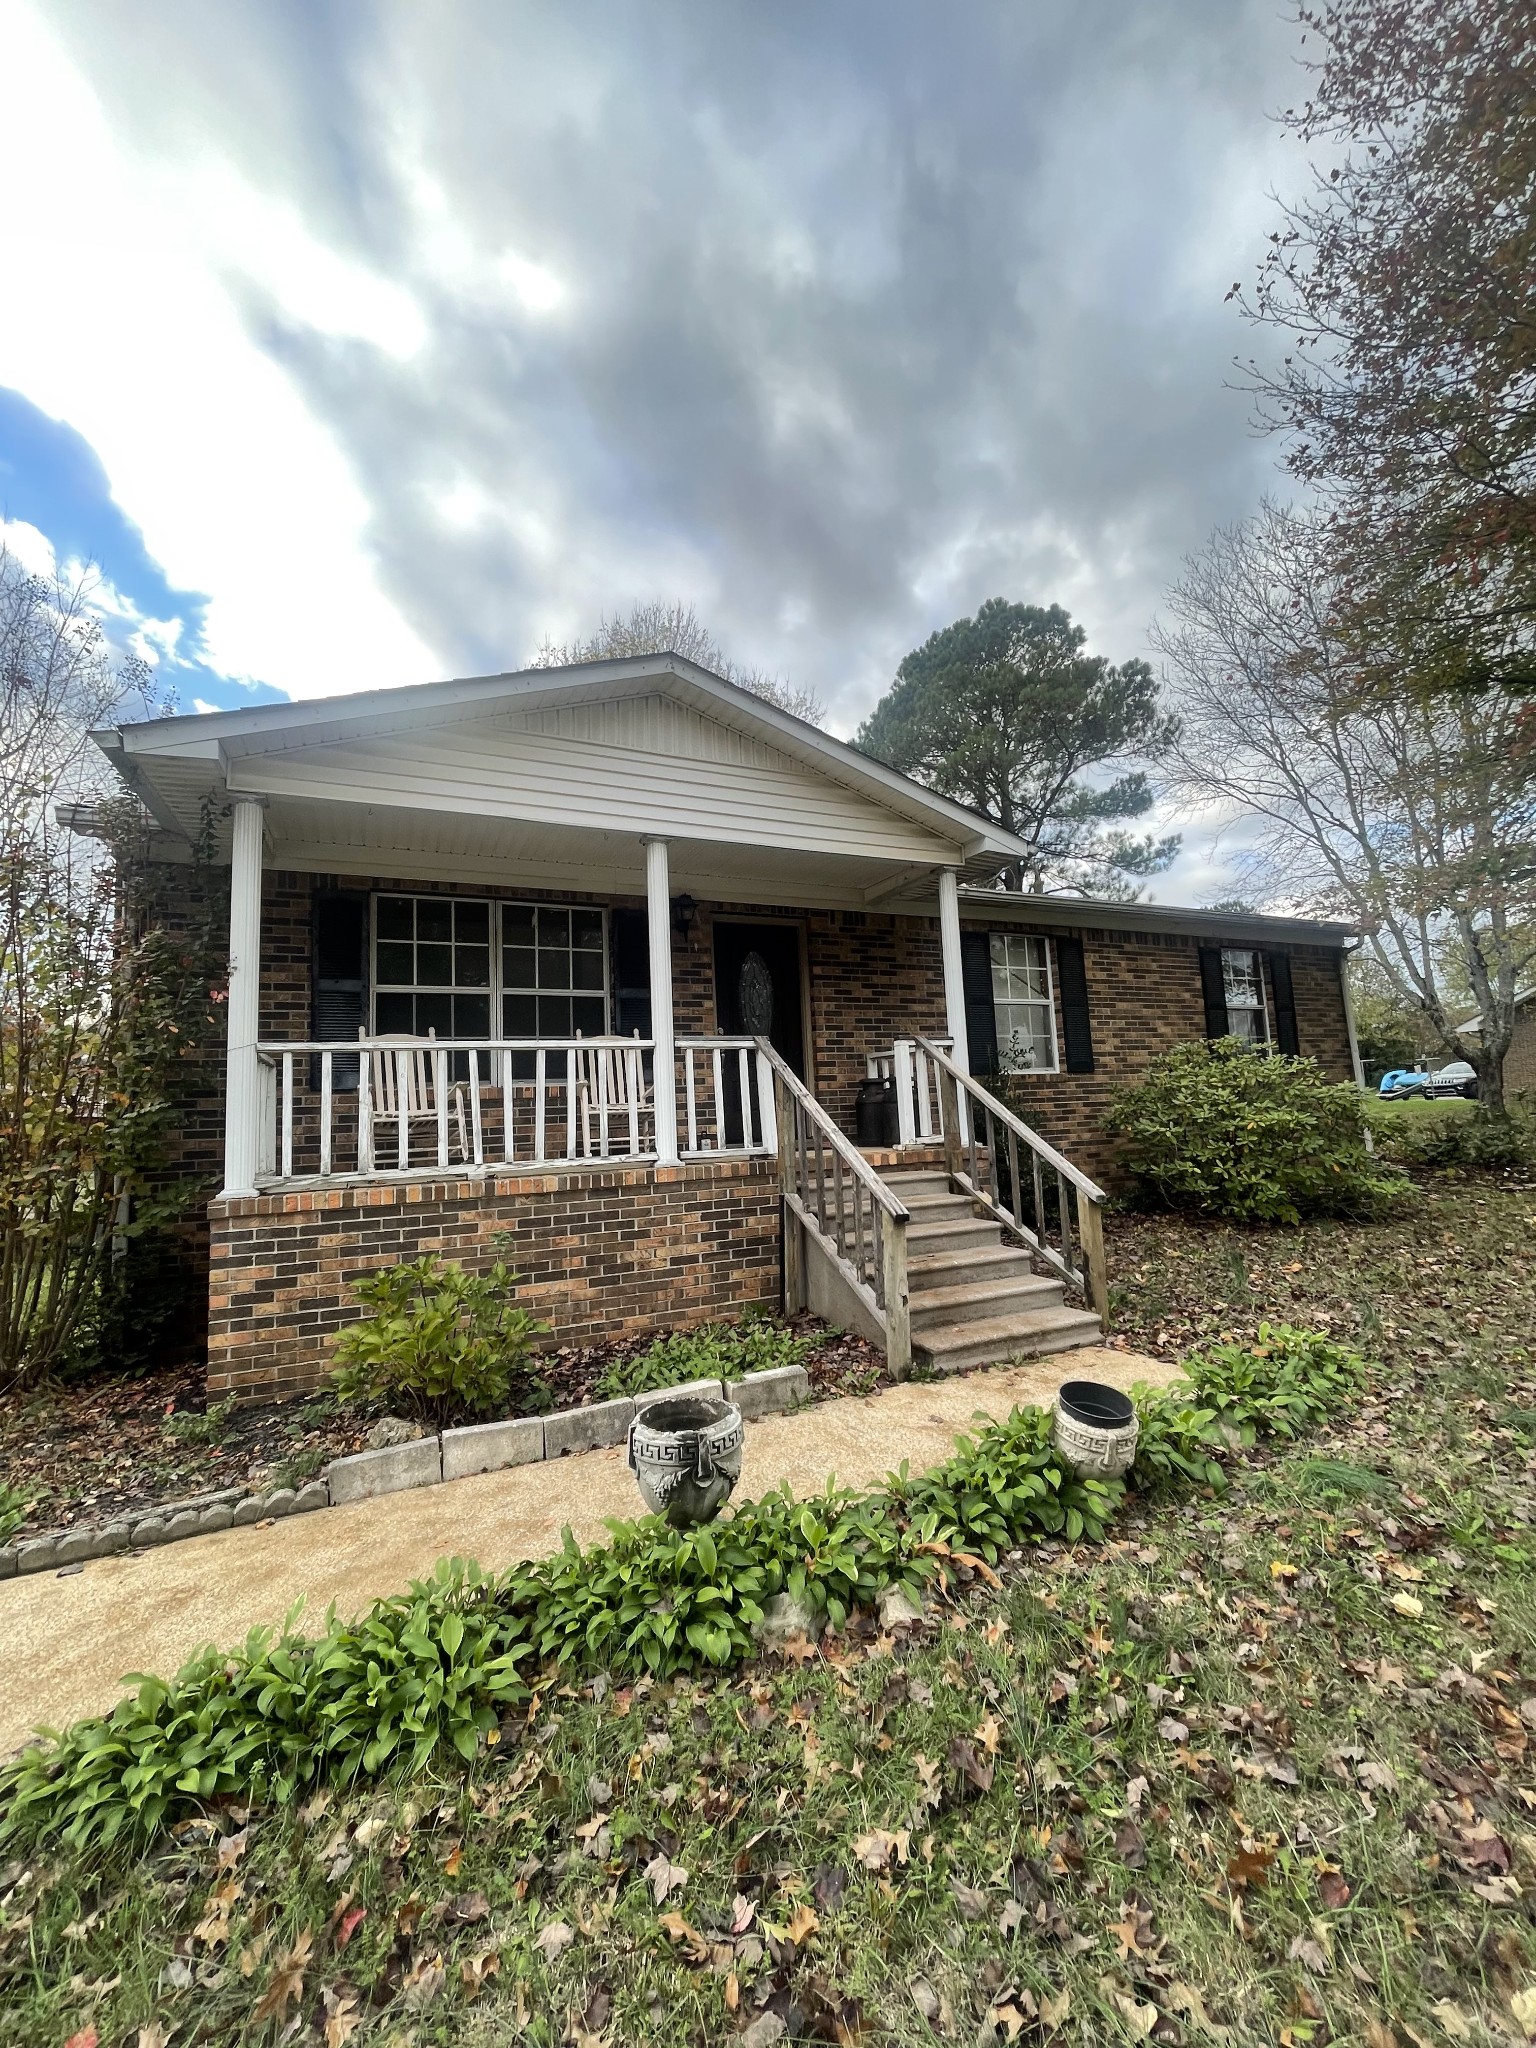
x=472, y=923
x=1520, y=1060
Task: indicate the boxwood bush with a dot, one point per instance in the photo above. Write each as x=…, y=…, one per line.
x=1220, y=1129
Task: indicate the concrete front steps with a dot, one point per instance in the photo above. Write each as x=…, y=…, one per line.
x=975, y=1300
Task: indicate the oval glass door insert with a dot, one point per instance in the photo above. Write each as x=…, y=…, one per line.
x=754, y=996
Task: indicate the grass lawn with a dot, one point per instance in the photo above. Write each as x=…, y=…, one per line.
x=1382, y=1111
x=1261, y=1769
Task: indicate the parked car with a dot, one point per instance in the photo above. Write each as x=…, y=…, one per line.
x=1457, y=1079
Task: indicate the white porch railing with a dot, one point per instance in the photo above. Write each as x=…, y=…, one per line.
x=919, y=1098
x=377, y=1107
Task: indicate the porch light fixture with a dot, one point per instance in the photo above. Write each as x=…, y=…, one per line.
x=684, y=911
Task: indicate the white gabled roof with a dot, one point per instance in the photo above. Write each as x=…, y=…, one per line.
x=175, y=763
x=1522, y=997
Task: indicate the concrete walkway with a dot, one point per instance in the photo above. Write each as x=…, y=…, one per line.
x=68, y=1640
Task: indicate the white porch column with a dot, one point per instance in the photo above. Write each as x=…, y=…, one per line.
x=658, y=917
x=242, y=1087
x=954, y=974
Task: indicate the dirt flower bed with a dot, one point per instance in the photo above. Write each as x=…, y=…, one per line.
x=1259, y=1769
x=86, y=1451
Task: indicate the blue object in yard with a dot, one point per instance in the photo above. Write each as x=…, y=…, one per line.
x=1402, y=1081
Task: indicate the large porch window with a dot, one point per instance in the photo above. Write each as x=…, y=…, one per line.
x=1022, y=1003
x=431, y=966
x=554, y=971
x=453, y=964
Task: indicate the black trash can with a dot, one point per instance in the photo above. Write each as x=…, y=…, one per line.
x=874, y=1113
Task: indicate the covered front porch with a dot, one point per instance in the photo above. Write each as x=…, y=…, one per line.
x=594, y=961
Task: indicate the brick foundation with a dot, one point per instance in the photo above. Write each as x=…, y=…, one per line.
x=602, y=1254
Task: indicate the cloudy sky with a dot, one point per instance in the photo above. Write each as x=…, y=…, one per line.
x=365, y=344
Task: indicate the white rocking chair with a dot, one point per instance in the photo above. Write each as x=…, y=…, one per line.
x=613, y=1099
x=402, y=1096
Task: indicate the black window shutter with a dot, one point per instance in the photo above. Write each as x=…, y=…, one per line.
x=1213, y=983
x=631, y=973
x=1076, y=1030
x=980, y=1017
x=1286, y=1039
x=339, y=989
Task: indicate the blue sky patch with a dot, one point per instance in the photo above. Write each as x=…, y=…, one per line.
x=52, y=479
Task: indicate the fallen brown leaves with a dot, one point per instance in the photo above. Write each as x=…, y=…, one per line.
x=285, y=1987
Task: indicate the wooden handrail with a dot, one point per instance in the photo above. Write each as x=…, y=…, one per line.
x=856, y=1223
x=1014, y=1123
x=851, y=1156
x=991, y=1129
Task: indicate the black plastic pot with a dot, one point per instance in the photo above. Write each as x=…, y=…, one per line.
x=874, y=1112
x=1094, y=1405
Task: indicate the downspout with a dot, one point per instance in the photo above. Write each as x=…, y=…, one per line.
x=1347, y=953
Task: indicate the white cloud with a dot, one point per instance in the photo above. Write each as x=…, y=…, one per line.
x=129, y=327
x=26, y=545
x=129, y=629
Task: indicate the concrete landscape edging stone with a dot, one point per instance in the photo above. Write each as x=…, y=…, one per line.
x=169, y=1523
x=425, y=1461
x=492, y=1446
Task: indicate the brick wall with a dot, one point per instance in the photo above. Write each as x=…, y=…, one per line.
x=602, y=1254
x=1520, y=1060
x=1144, y=995
x=649, y=1249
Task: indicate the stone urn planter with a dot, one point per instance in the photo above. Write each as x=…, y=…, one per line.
x=686, y=1457
x=1096, y=1429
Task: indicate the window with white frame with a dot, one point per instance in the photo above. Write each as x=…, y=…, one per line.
x=1242, y=976
x=431, y=966
x=1022, y=1003
x=463, y=968
x=554, y=971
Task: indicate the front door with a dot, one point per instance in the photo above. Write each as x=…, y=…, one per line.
x=758, y=993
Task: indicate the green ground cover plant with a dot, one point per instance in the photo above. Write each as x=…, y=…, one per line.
x=1217, y=1129
x=436, y=1669
x=1429, y=1137
x=714, y=1351
x=441, y=1344
x=1256, y=1768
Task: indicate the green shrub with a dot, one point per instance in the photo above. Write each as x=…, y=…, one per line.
x=714, y=1351
x=13, y=1509
x=423, y=1678
x=1177, y=1440
x=442, y=1344
x=419, y=1674
x=1278, y=1383
x=1222, y=1130
x=1006, y=1482
x=1423, y=1140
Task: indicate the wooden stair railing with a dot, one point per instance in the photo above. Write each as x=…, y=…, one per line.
x=856, y=1221
x=983, y=1152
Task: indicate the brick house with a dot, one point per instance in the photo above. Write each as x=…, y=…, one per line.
x=1520, y=1060
x=604, y=958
